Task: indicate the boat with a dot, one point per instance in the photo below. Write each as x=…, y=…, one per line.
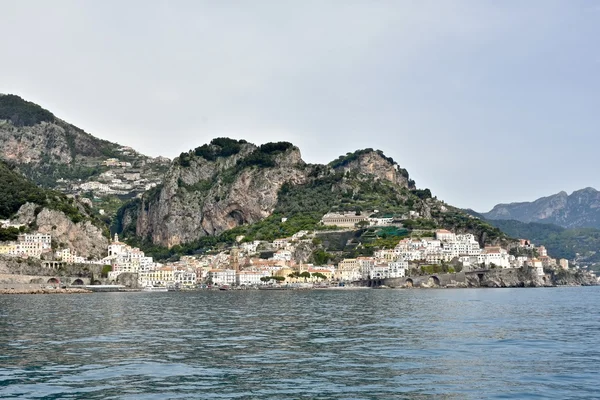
x=154, y=289
x=224, y=287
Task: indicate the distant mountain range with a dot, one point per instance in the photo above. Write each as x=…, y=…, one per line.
x=581, y=209
x=568, y=225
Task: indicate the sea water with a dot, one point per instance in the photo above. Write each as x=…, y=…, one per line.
x=321, y=344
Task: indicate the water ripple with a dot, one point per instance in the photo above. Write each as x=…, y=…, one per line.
x=367, y=344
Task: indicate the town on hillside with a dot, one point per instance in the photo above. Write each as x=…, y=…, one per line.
x=117, y=178
x=243, y=266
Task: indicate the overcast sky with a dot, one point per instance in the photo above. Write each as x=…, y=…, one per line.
x=482, y=101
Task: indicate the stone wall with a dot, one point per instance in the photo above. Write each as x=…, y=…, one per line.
x=12, y=279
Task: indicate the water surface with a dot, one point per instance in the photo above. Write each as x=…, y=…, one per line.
x=350, y=344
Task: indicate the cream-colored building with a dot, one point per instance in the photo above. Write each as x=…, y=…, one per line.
x=345, y=220
x=348, y=270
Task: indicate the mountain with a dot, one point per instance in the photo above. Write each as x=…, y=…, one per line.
x=57, y=155
x=581, y=209
x=230, y=188
x=70, y=222
x=578, y=245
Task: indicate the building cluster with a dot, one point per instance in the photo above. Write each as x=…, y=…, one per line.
x=28, y=245
x=117, y=182
x=120, y=177
x=242, y=266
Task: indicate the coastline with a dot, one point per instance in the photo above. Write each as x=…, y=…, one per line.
x=44, y=291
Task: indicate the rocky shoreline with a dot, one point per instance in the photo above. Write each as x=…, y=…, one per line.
x=44, y=291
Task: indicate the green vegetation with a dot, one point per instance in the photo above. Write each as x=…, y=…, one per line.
x=278, y=279
x=22, y=113
x=560, y=242
x=264, y=156
x=458, y=221
x=319, y=275
x=10, y=234
x=342, y=161
x=15, y=190
x=47, y=174
x=219, y=147
x=321, y=257
x=105, y=270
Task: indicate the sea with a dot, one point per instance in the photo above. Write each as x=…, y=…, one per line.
x=534, y=343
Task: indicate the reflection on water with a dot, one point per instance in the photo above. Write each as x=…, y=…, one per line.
x=405, y=344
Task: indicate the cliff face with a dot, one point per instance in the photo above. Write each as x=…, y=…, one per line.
x=581, y=209
x=208, y=197
x=227, y=183
x=83, y=237
x=37, y=142
x=58, y=155
x=47, y=142
x=376, y=165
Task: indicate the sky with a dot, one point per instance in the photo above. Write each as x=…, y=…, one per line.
x=484, y=102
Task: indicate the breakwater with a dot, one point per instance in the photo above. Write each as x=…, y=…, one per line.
x=18, y=288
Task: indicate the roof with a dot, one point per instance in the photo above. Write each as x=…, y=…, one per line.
x=492, y=249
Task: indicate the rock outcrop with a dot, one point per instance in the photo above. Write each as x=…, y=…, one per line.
x=376, y=165
x=83, y=237
x=491, y=278
x=208, y=197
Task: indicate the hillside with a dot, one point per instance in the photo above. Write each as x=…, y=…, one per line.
x=578, y=245
x=229, y=188
x=57, y=155
x=70, y=222
x=581, y=209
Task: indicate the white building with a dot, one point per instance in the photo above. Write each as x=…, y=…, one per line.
x=222, y=276
x=44, y=239
x=251, y=278
x=183, y=277
x=444, y=235
x=495, y=255
x=282, y=255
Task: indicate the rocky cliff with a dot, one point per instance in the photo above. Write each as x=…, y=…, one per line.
x=84, y=236
x=375, y=164
x=34, y=139
x=231, y=184
x=213, y=189
x=58, y=155
x=70, y=222
x=581, y=209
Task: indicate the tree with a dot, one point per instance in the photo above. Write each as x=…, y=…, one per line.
x=362, y=224
x=279, y=279
x=294, y=274
x=304, y=275
x=319, y=275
